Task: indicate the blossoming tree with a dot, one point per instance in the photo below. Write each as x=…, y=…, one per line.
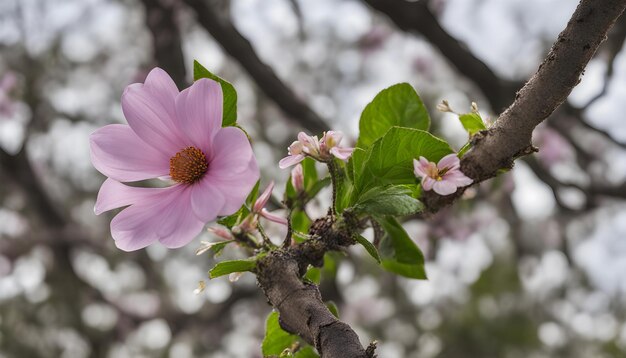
x=191, y=140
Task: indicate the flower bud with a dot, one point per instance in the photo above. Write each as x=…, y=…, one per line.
x=220, y=232
x=474, y=107
x=444, y=106
x=297, y=178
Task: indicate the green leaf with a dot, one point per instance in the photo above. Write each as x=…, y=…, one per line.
x=398, y=105
x=300, y=221
x=332, y=307
x=355, y=164
x=390, y=158
x=398, y=252
x=310, y=173
x=472, y=123
x=371, y=249
x=314, y=274
x=345, y=190
x=228, y=267
x=229, y=112
x=276, y=339
x=464, y=149
x=306, y=352
x=254, y=193
x=394, y=200
x=218, y=248
x=234, y=219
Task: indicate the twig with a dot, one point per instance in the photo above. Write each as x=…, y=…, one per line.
x=242, y=51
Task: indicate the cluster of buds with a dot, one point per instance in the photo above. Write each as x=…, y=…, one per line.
x=249, y=224
x=321, y=150
x=444, y=107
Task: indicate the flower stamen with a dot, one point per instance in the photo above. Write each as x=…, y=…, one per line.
x=188, y=166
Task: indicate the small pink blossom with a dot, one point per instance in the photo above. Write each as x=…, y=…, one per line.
x=297, y=178
x=444, y=177
x=322, y=150
x=175, y=135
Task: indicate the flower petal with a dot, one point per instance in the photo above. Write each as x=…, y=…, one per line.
x=231, y=151
x=443, y=187
x=418, y=169
x=180, y=225
x=458, y=178
x=305, y=138
x=152, y=118
x=427, y=183
x=263, y=198
x=207, y=201
x=273, y=217
x=117, y=152
x=235, y=188
x=331, y=139
x=166, y=217
x=341, y=153
x=163, y=88
x=290, y=160
x=450, y=161
x=199, y=109
x=113, y=195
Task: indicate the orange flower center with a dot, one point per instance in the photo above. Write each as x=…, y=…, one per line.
x=188, y=166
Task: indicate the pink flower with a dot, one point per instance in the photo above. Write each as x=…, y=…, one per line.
x=175, y=135
x=322, y=150
x=444, y=177
x=330, y=144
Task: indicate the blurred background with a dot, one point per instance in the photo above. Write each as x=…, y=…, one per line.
x=533, y=265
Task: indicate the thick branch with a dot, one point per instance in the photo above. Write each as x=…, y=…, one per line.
x=241, y=50
x=510, y=136
x=417, y=17
x=299, y=303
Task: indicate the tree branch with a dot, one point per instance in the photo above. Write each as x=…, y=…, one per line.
x=416, y=17
x=241, y=50
x=299, y=303
x=613, y=47
x=166, y=40
x=509, y=138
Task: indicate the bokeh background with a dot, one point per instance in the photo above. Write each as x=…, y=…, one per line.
x=533, y=264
